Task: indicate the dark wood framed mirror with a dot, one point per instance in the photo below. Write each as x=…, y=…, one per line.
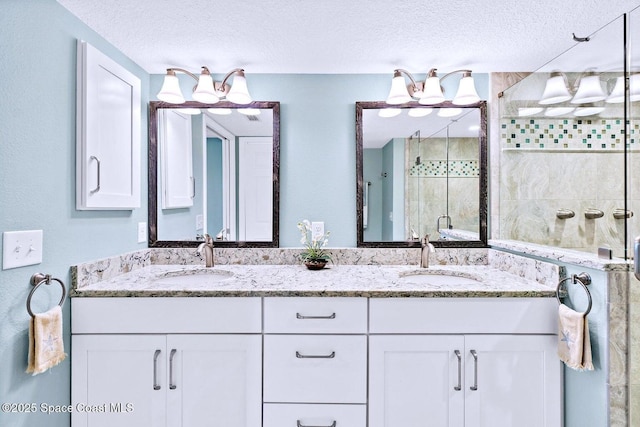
x=214, y=169
x=421, y=170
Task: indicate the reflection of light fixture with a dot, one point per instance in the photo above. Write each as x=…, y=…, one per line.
x=529, y=111
x=430, y=92
x=220, y=111
x=590, y=109
x=474, y=128
x=206, y=91
x=555, y=90
x=249, y=111
x=557, y=111
x=617, y=94
x=589, y=89
x=389, y=112
x=190, y=111
x=420, y=112
x=449, y=112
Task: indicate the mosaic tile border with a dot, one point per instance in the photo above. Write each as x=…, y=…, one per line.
x=572, y=134
x=438, y=169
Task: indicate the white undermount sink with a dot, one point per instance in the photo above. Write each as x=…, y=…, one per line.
x=192, y=277
x=438, y=277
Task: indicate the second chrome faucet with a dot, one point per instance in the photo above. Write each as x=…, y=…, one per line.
x=206, y=249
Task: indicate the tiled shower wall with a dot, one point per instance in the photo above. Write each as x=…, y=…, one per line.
x=427, y=182
x=573, y=164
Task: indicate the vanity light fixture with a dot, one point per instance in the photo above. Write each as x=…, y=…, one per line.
x=206, y=91
x=589, y=89
x=617, y=94
x=420, y=112
x=449, y=112
x=389, y=112
x=190, y=111
x=430, y=92
x=555, y=90
x=590, y=109
x=220, y=111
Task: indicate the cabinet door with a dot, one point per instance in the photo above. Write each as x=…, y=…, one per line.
x=118, y=380
x=413, y=381
x=518, y=381
x=108, y=133
x=214, y=380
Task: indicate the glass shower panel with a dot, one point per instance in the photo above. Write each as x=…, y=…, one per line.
x=633, y=201
x=562, y=145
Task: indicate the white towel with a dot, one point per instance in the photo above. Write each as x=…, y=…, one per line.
x=574, y=344
x=46, y=347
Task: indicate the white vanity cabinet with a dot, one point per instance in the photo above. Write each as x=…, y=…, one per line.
x=166, y=362
x=464, y=362
x=315, y=362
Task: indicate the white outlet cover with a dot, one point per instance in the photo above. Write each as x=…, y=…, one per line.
x=142, y=232
x=199, y=222
x=20, y=248
x=317, y=229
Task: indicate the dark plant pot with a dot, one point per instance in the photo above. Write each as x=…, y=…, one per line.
x=315, y=264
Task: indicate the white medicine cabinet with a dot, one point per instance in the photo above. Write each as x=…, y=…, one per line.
x=108, y=133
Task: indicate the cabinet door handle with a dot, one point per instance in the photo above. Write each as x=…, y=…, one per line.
x=193, y=187
x=300, y=316
x=311, y=356
x=95, y=190
x=459, y=356
x=172, y=385
x=156, y=386
x=333, y=424
x=474, y=387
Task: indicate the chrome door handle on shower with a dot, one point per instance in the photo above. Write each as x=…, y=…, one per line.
x=636, y=258
x=95, y=190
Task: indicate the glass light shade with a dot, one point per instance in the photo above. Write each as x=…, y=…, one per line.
x=588, y=110
x=389, y=112
x=557, y=111
x=617, y=94
x=420, y=112
x=529, y=111
x=170, y=91
x=555, y=90
x=239, y=93
x=590, y=90
x=432, y=92
x=398, y=93
x=466, y=94
x=449, y=112
x=220, y=111
x=205, y=92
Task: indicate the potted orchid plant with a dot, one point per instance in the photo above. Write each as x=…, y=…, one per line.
x=314, y=256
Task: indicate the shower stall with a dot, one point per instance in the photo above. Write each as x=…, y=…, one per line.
x=569, y=156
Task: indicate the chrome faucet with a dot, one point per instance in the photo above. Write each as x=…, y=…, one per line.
x=426, y=250
x=207, y=248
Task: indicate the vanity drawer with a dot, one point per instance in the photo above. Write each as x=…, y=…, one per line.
x=115, y=315
x=279, y=415
x=463, y=315
x=315, y=315
x=315, y=368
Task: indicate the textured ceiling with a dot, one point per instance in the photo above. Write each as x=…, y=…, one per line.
x=345, y=36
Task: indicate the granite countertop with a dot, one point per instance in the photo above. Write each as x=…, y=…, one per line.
x=335, y=280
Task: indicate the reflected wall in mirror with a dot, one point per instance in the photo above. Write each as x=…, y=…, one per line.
x=214, y=169
x=421, y=170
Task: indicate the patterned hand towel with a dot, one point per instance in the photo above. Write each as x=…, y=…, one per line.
x=574, y=344
x=46, y=348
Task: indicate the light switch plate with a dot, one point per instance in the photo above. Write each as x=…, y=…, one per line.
x=20, y=248
x=199, y=222
x=317, y=229
x=142, y=232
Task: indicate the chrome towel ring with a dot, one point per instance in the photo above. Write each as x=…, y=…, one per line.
x=37, y=280
x=584, y=280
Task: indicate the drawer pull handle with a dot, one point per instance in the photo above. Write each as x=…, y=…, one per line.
x=156, y=386
x=474, y=387
x=459, y=386
x=313, y=356
x=172, y=385
x=333, y=424
x=300, y=316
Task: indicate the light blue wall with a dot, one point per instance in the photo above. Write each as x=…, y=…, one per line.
x=214, y=185
x=37, y=186
x=317, y=143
